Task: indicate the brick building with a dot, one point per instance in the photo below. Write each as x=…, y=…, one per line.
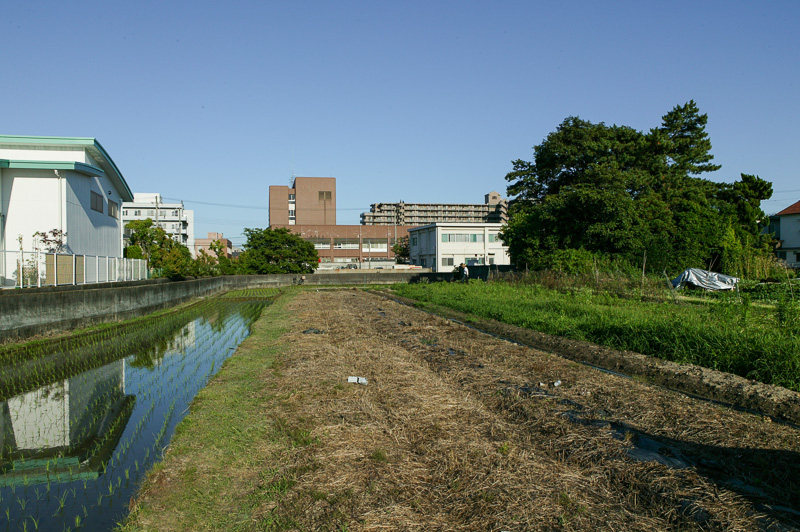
x=309, y=201
x=205, y=244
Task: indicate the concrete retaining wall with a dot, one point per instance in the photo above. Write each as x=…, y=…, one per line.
x=33, y=311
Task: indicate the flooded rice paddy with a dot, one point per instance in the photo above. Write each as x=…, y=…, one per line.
x=83, y=419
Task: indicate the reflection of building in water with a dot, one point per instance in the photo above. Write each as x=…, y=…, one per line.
x=78, y=420
x=186, y=338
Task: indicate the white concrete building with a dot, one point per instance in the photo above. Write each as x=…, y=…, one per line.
x=173, y=218
x=443, y=246
x=65, y=183
x=785, y=225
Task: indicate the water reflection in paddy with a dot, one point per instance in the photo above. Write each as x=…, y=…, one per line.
x=75, y=449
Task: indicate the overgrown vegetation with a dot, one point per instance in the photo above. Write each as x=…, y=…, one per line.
x=615, y=191
x=724, y=333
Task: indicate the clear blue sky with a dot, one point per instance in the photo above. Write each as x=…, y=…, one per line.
x=424, y=101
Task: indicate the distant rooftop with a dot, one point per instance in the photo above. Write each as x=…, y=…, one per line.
x=791, y=209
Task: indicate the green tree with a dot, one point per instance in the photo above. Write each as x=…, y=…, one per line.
x=277, y=251
x=177, y=263
x=170, y=258
x=205, y=265
x=615, y=191
x=684, y=142
x=401, y=250
x=225, y=265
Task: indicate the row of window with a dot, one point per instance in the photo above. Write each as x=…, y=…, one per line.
x=97, y=203
x=152, y=212
x=462, y=237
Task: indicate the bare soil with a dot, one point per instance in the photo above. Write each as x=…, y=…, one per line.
x=456, y=429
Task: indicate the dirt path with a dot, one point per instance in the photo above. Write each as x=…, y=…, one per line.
x=457, y=430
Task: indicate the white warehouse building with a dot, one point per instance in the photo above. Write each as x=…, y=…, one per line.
x=443, y=246
x=66, y=184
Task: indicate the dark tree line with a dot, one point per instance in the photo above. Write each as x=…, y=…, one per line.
x=613, y=191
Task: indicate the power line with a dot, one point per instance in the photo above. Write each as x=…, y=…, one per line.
x=237, y=206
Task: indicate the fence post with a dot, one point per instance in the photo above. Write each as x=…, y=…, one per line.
x=38, y=271
x=84, y=269
x=21, y=269
x=55, y=269
x=74, y=270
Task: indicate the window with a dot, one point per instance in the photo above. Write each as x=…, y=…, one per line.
x=137, y=212
x=291, y=213
x=447, y=261
x=345, y=243
x=782, y=255
x=494, y=237
x=174, y=213
x=113, y=209
x=97, y=202
x=320, y=243
x=291, y=198
x=413, y=241
x=151, y=212
x=423, y=262
x=375, y=244
x=125, y=212
x=324, y=195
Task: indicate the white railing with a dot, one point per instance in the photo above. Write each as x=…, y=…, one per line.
x=26, y=269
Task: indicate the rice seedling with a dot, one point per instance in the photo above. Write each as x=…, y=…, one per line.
x=127, y=387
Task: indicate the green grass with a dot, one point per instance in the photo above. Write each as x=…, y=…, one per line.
x=729, y=334
x=217, y=437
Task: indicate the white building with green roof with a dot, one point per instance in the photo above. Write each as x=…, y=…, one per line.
x=65, y=183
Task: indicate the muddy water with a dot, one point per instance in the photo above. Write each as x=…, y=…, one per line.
x=75, y=450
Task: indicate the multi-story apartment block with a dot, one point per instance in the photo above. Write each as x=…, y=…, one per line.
x=173, y=218
x=308, y=201
x=494, y=209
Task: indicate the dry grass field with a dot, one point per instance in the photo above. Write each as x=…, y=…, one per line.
x=454, y=430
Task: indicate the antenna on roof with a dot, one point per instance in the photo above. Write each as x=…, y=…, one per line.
x=291, y=179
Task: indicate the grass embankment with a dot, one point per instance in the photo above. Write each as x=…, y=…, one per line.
x=728, y=335
x=213, y=447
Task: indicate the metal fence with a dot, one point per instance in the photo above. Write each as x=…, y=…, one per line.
x=25, y=269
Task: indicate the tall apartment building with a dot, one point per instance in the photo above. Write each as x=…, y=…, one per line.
x=173, y=218
x=494, y=209
x=308, y=201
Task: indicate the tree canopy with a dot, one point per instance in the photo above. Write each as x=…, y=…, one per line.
x=277, y=251
x=617, y=191
x=168, y=257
